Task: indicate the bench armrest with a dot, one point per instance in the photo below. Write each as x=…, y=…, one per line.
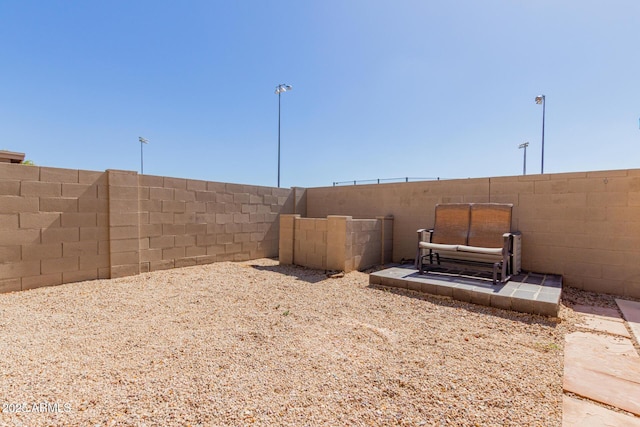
x=508, y=240
x=513, y=233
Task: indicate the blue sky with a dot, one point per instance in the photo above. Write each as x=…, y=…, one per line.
x=380, y=89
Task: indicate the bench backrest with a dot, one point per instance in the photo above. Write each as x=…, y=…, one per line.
x=489, y=221
x=472, y=224
x=452, y=224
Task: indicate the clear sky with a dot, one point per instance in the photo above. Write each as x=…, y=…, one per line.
x=381, y=89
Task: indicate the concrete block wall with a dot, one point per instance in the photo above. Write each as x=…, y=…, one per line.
x=286, y=242
x=187, y=222
x=53, y=226
x=62, y=225
x=584, y=226
x=369, y=242
x=335, y=243
x=124, y=223
x=310, y=242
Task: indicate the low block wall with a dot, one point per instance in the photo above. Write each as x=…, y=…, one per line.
x=336, y=242
x=65, y=225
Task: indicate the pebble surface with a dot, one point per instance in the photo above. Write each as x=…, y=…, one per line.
x=258, y=344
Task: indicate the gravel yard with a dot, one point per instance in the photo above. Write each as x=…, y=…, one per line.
x=255, y=343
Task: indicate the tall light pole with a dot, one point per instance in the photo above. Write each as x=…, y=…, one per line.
x=540, y=99
x=524, y=166
x=279, y=89
x=142, y=141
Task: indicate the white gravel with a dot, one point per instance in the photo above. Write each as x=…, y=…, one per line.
x=255, y=343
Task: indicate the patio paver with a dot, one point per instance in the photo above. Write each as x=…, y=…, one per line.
x=604, y=369
x=631, y=312
x=581, y=413
x=601, y=319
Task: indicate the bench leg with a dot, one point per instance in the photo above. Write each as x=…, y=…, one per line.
x=505, y=275
x=496, y=265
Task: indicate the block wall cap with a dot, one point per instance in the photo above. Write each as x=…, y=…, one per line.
x=11, y=156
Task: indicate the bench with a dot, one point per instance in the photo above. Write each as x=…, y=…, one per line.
x=471, y=233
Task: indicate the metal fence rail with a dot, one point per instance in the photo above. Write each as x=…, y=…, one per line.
x=383, y=180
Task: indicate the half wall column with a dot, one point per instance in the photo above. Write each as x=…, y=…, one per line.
x=337, y=243
x=287, y=238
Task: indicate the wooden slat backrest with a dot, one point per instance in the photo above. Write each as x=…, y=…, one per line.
x=452, y=224
x=489, y=221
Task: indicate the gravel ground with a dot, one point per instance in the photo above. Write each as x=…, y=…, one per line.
x=255, y=343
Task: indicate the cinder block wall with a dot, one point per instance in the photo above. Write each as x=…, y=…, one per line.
x=310, y=242
x=336, y=242
x=364, y=242
x=584, y=226
x=61, y=225
x=53, y=226
x=186, y=222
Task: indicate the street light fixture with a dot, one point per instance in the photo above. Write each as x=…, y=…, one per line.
x=524, y=166
x=279, y=90
x=142, y=141
x=540, y=99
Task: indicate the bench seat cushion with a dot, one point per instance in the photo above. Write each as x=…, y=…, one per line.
x=480, y=250
x=438, y=246
x=460, y=248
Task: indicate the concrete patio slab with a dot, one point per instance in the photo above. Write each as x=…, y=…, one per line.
x=581, y=413
x=631, y=312
x=528, y=293
x=602, y=368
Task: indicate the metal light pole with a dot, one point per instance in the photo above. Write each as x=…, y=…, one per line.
x=279, y=89
x=540, y=99
x=142, y=141
x=524, y=166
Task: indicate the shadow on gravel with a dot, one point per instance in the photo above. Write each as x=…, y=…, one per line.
x=530, y=319
x=305, y=274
